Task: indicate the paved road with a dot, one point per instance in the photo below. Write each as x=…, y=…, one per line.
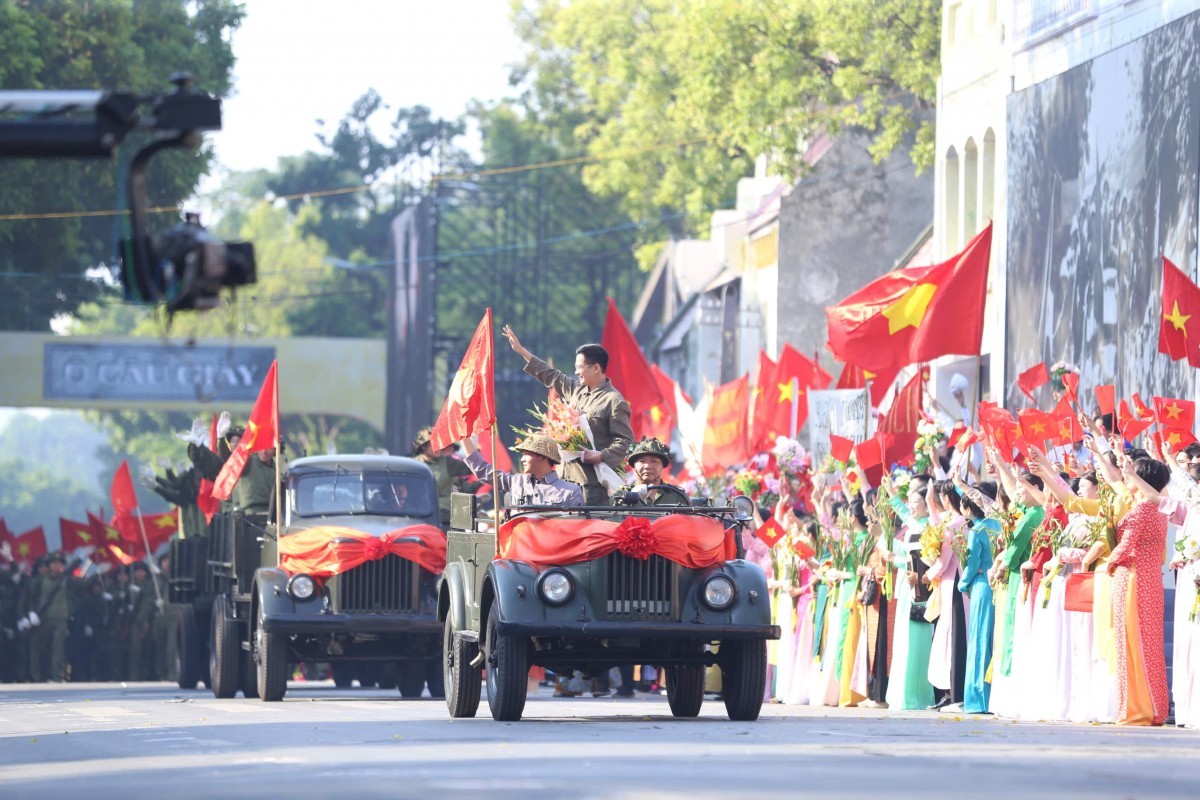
x=97, y=741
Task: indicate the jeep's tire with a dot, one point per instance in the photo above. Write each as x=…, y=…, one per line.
x=249, y=674
x=685, y=689
x=189, y=668
x=389, y=675
x=224, y=650
x=743, y=677
x=463, y=682
x=411, y=681
x=435, y=679
x=270, y=651
x=343, y=674
x=507, y=671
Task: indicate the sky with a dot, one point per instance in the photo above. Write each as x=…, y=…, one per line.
x=303, y=60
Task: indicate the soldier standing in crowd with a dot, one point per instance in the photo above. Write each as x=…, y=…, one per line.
x=88, y=615
x=141, y=640
x=166, y=624
x=120, y=615
x=49, y=615
x=10, y=642
x=592, y=394
x=450, y=474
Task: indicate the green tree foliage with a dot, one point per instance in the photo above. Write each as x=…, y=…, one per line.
x=131, y=45
x=678, y=97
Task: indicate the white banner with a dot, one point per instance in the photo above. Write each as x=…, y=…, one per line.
x=843, y=412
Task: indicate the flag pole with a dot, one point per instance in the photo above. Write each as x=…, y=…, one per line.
x=153, y=568
x=279, y=496
x=495, y=493
x=795, y=405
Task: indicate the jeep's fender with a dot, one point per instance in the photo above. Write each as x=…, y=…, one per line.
x=271, y=595
x=749, y=577
x=502, y=587
x=453, y=585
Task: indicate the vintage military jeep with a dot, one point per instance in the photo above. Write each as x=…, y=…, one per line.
x=352, y=579
x=592, y=588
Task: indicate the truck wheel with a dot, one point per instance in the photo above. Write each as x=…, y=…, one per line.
x=462, y=681
x=389, y=675
x=507, y=671
x=224, y=650
x=270, y=651
x=187, y=649
x=435, y=679
x=685, y=689
x=343, y=674
x=743, y=677
x=412, y=678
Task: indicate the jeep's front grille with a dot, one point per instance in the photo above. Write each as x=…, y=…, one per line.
x=639, y=590
x=386, y=586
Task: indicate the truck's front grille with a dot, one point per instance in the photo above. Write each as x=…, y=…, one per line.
x=386, y=586
x=639, y=590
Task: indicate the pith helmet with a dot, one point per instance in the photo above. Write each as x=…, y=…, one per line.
x=422, y=439
x=540, y=445
x=649, y=446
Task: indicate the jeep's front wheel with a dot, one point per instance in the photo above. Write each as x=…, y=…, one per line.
x=507, y=671
x=463, y=681
x=743, y=677
x=270, y=651
x=685, y=689
x=224, y=650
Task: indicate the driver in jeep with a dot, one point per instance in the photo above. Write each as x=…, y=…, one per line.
x=648, y=458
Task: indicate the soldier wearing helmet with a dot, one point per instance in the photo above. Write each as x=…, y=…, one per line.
x=538, y=484
x=451, y=474
x=648, y=459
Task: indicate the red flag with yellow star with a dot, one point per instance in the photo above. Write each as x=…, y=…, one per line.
x=725, y=428
x=1129, y=425
x=470, y=405
x=1172, y=413
x=1037, y=426
x=1179, y=328
x=794, y=376
x=75, y=534
x=159, y=529
x=661, y=419
x=879, y=382
x=29, y=545
x=915, y=314
x=901, y=421
x=763, y=399
x=262, y=433
x=1178, y=438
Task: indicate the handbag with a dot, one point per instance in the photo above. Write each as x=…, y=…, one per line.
x=916, y=612
x=1080, y=592
x=870, y=591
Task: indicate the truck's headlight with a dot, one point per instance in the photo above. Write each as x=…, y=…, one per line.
x=719, y=592
x=556, y=587
x=301, y=587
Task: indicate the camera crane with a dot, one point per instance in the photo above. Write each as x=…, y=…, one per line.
x=181, y=268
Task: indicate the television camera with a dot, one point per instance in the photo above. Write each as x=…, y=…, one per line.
x=184, y=267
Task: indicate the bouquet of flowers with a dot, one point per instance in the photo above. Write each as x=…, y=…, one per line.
x=900, y=480
x=561, y=423
x=961, y=547
x=749, y=483
x=790, y=457
x=1104, y=525
x=929, y=435
x=931, y=542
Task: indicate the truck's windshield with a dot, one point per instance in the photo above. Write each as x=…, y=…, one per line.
x=385, y=493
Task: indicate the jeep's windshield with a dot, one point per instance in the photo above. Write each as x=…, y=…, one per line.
x=386, y=493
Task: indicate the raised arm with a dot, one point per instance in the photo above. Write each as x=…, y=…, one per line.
x=482, y=469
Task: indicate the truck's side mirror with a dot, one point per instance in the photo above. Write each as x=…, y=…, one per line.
x=463, y=508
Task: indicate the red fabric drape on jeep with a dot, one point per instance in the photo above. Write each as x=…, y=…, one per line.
x=332, y=550
x=690, y=541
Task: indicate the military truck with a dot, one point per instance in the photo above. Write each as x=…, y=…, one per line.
x=556, y=593
x=249, y=612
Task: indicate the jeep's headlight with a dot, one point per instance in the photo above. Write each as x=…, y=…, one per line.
x=556, y=587
x=301, y=587
x=719, y=592
x=743, y=508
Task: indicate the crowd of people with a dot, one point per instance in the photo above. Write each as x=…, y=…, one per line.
x=61, y=623
x=1032, y=592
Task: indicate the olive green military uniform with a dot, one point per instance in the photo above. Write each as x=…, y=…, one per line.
x=639, y=494
x=254, y=489
x=88, y=629
x=115, y=648
x=608, y=416
x=451, y=475
x=50, y=598
x=166, y=642
x=141, y=638
x=10, y=640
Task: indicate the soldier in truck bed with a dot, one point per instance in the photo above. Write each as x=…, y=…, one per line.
x=253, y=491
x=450, y=474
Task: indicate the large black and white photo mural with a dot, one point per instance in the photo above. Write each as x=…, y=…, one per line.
x=1102, y=182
